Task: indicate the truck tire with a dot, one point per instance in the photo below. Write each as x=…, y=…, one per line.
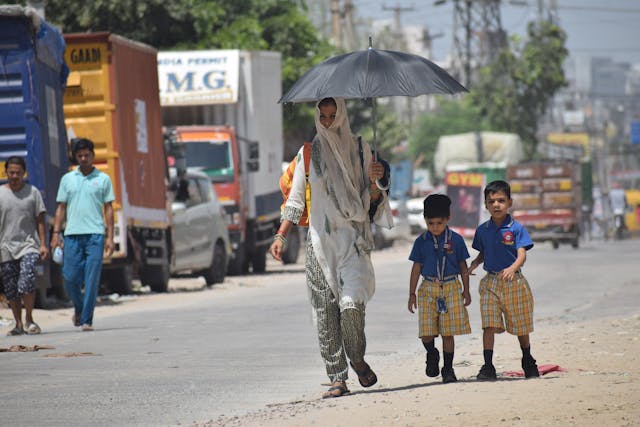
x=57, y=282
x=218, y=268
x=237, y=264
x=259, y=260
x=156, y=277
x=575, y=243
x=292, y=251
x=555, y=244
x=120, y=279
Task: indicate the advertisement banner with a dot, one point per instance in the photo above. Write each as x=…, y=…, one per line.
x=467, y=201
x=201, y=77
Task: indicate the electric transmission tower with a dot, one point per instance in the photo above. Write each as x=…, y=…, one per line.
x=477, y=35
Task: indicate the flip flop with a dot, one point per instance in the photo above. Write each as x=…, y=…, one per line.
x=33, y=329
x=15, y=331
x=367, y=375
x=341, y=389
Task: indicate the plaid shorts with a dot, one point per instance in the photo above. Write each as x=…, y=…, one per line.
x=507, y=303
x=19, y=276
x=454, y=322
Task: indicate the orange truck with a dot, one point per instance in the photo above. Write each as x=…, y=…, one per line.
x=547, y=199
x=222, y=105
x=112, y=99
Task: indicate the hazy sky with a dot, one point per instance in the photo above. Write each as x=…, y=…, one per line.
x=594, y=27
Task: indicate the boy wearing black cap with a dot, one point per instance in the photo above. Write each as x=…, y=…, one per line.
x=439, y=256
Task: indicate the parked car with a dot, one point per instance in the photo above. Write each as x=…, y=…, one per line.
x=200, y=238
x=415, y=213
x=384, y=237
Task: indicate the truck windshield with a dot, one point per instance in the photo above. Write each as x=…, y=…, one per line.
x=212, y=157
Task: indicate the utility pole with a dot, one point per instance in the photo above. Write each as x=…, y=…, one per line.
x=335, y=23
x=348, y=25
x=397, y=10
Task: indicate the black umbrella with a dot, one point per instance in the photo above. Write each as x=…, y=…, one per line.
x=372, y=73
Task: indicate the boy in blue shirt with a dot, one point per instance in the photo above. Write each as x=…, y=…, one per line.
x=439, y=256
x=505, y=296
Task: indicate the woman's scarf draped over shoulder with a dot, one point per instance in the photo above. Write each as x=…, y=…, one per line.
x=340, y=166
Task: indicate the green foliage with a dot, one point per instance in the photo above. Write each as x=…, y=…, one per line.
x=451, y=117
x=278, y=25
x=514, y=91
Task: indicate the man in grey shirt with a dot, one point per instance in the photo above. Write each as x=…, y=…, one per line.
x=22, y=243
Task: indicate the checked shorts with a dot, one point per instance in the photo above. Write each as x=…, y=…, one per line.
x=506, y=305
x=454, y=322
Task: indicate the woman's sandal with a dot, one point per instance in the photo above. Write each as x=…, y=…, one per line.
x=366, y=377
x=335, y=391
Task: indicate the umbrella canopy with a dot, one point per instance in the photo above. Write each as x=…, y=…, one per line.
x=372, y=73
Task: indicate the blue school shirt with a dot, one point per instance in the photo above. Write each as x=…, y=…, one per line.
x=85, y=197
x=499, y=245
x=424, y=252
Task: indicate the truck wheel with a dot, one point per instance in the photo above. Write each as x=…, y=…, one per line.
x=575, y=243
x=292, y=251
x=156, y=277
x=555, y=244
x=41, y=298
x=120, y=279
x=216, y=271
x=237, y=263
x=259, y=260
x=57, y=282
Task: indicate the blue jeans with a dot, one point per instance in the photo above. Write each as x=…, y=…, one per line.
x=82, y=264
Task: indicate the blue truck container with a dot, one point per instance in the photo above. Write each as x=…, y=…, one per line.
x=32, y=80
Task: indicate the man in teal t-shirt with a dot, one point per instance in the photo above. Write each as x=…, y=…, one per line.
x=82, y=195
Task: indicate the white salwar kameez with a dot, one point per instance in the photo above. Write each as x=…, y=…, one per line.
x=340, y=237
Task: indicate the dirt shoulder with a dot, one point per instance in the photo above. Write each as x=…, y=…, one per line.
x=600, y=386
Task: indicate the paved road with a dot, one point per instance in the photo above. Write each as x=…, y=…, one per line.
x=251, y=342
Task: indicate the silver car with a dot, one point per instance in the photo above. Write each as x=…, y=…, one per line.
x=201, y=244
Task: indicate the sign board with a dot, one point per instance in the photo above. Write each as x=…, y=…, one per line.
x=199, y=77
x=635, y=132
x=467, y=201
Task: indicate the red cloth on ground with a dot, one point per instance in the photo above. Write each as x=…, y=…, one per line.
x=543, y=369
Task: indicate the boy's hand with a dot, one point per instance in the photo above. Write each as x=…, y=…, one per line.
x=466, y=295
x=412, y=305
x=470, y=269
x=508, y=273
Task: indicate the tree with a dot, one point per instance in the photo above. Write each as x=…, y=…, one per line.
x=451, y=117
x=514, y=92
x=278, y=25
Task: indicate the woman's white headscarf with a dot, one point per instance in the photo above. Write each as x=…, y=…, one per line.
x=341, y=167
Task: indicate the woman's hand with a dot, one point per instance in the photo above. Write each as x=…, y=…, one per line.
x=276, y=249
x=376, y=171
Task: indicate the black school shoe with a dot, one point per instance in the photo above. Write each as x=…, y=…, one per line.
x=487, y=373
x=433, y=361
x=530, y=368
x=448, y=376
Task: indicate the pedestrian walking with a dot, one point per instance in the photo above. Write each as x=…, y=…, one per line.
x=340, y=277
x=85, y=197
x=506, y=301
x=22, y=243
x=439, y=255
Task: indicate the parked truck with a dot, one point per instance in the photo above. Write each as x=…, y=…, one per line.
x=547, y=199
x=32, y=79
x=222, y=104
x=112, y=99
